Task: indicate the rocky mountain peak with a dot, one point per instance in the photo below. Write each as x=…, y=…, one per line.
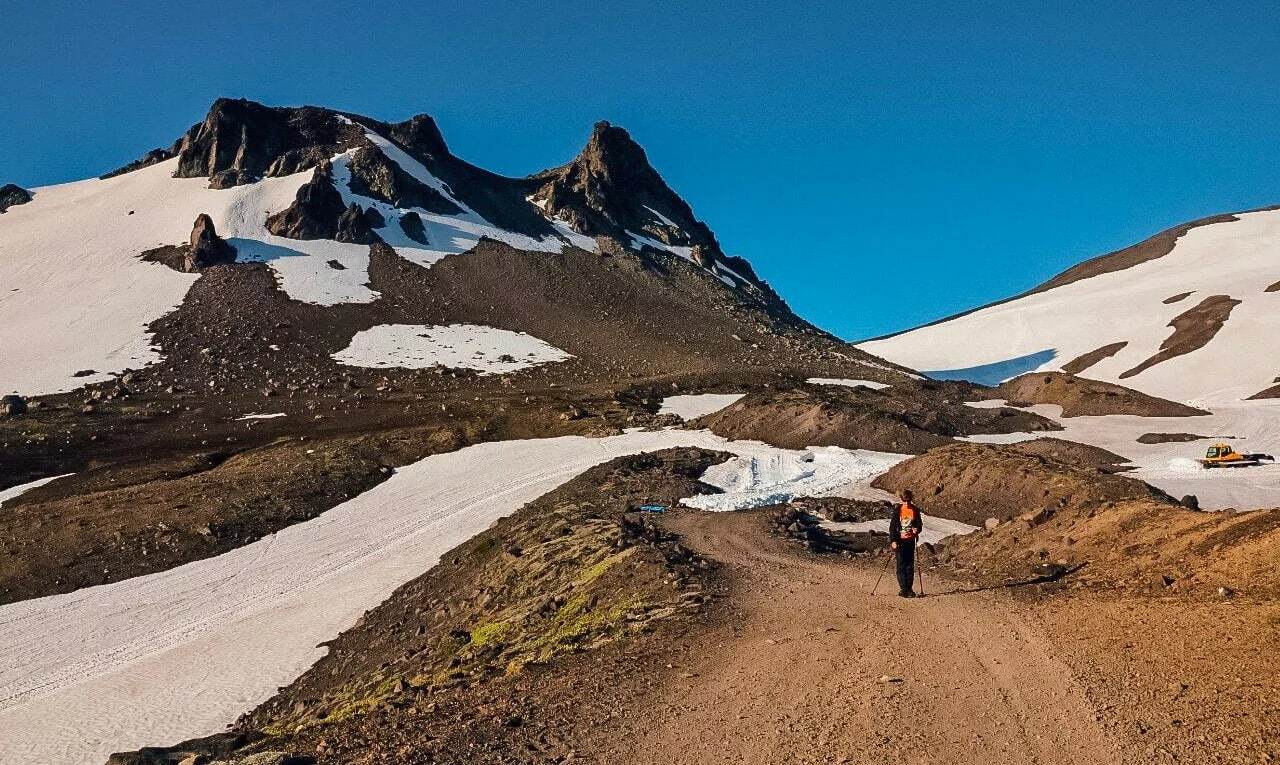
x=611, y=189
x=240, y=141
x=420, y=133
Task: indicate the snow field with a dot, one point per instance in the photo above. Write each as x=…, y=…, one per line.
x=689, y=406
x=1235, y=258
x=1172, y=467
x=470, y=346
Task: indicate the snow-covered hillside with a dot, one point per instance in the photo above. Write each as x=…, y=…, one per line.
x=1198, y=324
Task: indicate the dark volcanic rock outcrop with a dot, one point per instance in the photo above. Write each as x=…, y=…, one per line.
x=610, y=189
x=240, y=141
x=152, y=157
x=374, y=175
x=12, y=194
x=413, y=227
x=353, y=226
x=206, y=248
x=315, y=210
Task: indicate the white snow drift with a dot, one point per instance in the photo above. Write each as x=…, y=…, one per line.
x=168, y=656
x=848, y=383
x=780, y=475
x=689, y=406
x=1048, y=329
x=468, y=346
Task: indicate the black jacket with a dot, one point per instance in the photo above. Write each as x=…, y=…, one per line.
x=895, y=525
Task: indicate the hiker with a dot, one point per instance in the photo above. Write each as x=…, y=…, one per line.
x=904, y=530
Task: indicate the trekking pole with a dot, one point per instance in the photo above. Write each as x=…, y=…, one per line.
x=878, y=578
x=920, y=576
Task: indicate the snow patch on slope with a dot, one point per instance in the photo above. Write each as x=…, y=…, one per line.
x=689, y=406
x=470, y=346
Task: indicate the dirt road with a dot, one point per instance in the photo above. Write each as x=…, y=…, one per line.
x=819, y=671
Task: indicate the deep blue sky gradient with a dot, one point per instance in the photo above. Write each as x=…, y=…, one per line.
x=881, y=164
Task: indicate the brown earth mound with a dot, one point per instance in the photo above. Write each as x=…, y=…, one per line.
x=1082, y=397
x=1177, y=298
x=1192, y=329
x=1086, y=360
x=1072, y=453
x=1137, y=544
x=1273, y=288
x=905, y=418
x=974, y=482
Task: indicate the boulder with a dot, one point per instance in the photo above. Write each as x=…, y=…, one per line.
x=13, y=405
x=206, y=248
x=374, y=218
x=315, y=210
x=411, y=224
x=12, y=194
x=702, y=256
x=353, y=226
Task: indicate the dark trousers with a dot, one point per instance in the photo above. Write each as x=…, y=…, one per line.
x=906, y=564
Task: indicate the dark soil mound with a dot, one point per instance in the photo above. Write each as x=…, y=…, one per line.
x=1072, y=453
x=905, y=418
x=974, y=482
x=1082, y=397
x=1169, y=438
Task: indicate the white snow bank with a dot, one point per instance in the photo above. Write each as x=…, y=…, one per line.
x=13, y=492
x=847, y=382
x=690, y=406
x=935, y=529
x=181, y=653
x=781, y=475
x=1045, y=330
x=471, y=346
x=262, y=416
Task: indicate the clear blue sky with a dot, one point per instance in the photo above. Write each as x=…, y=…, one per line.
x=880, y=164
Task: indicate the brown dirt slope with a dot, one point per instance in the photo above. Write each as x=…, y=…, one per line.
x=905, y=418
x=1086, y=360
x=1192, y=329
x=973, y=482
x=1079, y=396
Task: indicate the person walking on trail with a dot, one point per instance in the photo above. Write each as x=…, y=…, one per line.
x=904, y=529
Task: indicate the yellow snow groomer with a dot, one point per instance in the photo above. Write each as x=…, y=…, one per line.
x=1223, y=455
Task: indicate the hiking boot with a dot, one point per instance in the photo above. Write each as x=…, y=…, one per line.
x=906, y=594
